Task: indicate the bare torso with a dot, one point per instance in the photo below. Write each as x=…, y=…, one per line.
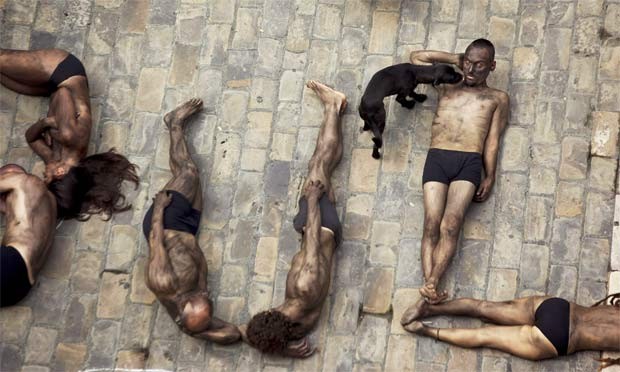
x=184, y=254
x=307, y=283
x=70, y=108
x=30, y=220
x=594, y=328
x=463, y=117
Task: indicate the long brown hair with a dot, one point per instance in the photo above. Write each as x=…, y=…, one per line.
x=94, y=186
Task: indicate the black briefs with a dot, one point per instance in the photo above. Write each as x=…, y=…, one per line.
x=14, y=281
x=329, y=217
x=446, y=166
x=70, y=66
x=553, y=319
x=180, y=215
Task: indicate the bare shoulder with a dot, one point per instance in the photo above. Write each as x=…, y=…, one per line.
x=36, y=190
x=502, y=97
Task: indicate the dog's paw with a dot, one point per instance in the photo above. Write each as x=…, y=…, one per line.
x=375, y=153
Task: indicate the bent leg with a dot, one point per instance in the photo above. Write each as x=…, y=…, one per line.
x=523, y=341
x=29, y=68
x=328, y=151
x=186, y=178
x=460, y=194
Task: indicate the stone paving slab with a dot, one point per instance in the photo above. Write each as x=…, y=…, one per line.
x=547, y=227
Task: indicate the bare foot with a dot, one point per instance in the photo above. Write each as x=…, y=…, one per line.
x=414, y=312
x=431, y=295
x=415, y=327
x=328, y=95
x=183, y=111
x=428, y=291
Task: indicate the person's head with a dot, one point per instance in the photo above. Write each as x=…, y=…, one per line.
x=478, y=62
x=94, y=186
x=195, y=312
x=11, y=168
x=270, y=331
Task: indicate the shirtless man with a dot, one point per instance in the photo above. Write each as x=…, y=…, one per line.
x=82, y=184
x=532, y=328
x=465, y=137
x=177, y=269
x=30, y=211
x=283, y=329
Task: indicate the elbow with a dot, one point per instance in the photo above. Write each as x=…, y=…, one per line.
x=414, y=57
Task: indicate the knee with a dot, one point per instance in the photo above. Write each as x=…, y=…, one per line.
x=431, y=229
x=190, y=171
x=450, y=226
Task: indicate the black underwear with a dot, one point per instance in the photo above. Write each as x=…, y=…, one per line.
x=553, y=319
x=446, y=166
x=329, y=217
x=14, y=281
x=179, y=216
x=70, y=66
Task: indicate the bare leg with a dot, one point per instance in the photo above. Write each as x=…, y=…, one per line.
x=519, y=311
x=523, y=341
x=186, y=179
x=434, y=204
x=29, y=68
x=328, y=151
x=460, y=194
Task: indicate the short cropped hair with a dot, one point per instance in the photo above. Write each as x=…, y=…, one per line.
x=484, y=44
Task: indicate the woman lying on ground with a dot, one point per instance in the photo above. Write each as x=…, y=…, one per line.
x=533, y=328
x=83, y=185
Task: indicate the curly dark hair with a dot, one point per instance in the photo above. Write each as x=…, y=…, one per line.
x=270, y=331
x=94, y=186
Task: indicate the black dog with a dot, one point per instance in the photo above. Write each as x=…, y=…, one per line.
x=401, y=80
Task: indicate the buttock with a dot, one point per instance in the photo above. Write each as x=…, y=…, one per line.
x=447, y=166
x=69, y=67
x=552, y=317
x=329, y=217
x=14, y=280
x=180, y=215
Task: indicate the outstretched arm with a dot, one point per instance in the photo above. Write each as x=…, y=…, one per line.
x=428, y=57
x=491, y=147
x=220, y=332
x=161, y=278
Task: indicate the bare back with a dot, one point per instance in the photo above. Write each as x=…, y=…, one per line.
x=187, y=264
x=308, y=280
x=30, y=220
x=464, y=116
x=594, y=328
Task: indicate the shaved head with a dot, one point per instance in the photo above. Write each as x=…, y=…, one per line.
x=196, y=314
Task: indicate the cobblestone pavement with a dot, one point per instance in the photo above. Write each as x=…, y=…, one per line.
x=547, y=228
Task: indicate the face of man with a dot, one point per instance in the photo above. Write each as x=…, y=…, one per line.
x=477, y=65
